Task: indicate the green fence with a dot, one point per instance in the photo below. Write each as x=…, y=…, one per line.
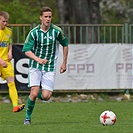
x=83, y=33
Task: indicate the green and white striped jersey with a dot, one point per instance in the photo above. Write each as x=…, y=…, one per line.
x=45, y=45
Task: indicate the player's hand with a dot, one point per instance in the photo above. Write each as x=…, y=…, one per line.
x=3, y=63
x=63, y=68
x=42, y=61
x=9, y=56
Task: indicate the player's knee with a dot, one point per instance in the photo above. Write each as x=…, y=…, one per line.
x=46, y=97
x=34, y=94
x=9, y=80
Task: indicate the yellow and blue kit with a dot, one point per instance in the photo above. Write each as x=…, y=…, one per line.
x=5, y=41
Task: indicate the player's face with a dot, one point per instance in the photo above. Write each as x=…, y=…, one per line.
x=3, y=22
x=46, y=18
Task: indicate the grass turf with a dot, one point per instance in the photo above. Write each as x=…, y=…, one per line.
x=81, y=117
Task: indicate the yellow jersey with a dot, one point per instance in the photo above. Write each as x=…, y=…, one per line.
x=5, y=40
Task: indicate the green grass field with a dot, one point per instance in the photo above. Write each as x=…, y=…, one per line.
x=59, y=117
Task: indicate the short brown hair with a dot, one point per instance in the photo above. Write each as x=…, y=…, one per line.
x=45, y=9
x=4, y=14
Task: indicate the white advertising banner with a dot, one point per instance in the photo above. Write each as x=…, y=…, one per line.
x=89, y=66
x=96, y=66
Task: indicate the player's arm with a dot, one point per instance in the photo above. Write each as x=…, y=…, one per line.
x=64, y=63
x=64, y=42
x=28, y=46
x=31, y=55
x=10, y=52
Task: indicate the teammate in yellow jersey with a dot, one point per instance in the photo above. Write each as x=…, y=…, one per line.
x=6, y=68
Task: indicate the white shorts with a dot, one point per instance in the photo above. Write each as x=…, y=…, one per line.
x=40, y=77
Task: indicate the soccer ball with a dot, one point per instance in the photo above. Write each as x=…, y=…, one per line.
x=108, y=118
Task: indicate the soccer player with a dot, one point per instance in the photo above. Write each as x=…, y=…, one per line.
x=6, y=68
x=41, y=46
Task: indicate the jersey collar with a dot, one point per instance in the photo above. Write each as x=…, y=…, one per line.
x=39, y=27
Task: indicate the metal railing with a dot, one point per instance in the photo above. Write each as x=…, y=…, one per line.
x=94, y=33
x=83, y=33
x=19, y=32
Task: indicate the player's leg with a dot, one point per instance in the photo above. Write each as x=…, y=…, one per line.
x=31, y=103
x=46, y=94
x=34, y=83
x=8, y=74
x=47, y=85
x=40, y=95
x=12, y=90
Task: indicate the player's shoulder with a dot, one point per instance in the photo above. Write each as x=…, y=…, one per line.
x=56, y=27
x=8, y=29
x=35, y=29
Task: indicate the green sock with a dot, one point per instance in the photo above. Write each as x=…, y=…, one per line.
x=29, y=108
x=40, y=95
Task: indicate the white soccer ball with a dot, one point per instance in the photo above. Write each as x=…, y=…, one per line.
x=108, y=118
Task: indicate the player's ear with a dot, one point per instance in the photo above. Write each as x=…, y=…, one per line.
x=41, y=18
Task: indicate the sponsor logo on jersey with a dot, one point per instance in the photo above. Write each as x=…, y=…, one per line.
x=48, y=37
x=3, y=44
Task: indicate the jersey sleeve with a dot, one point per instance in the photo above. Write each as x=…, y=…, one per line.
x=29, y=42
x=62, y=39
